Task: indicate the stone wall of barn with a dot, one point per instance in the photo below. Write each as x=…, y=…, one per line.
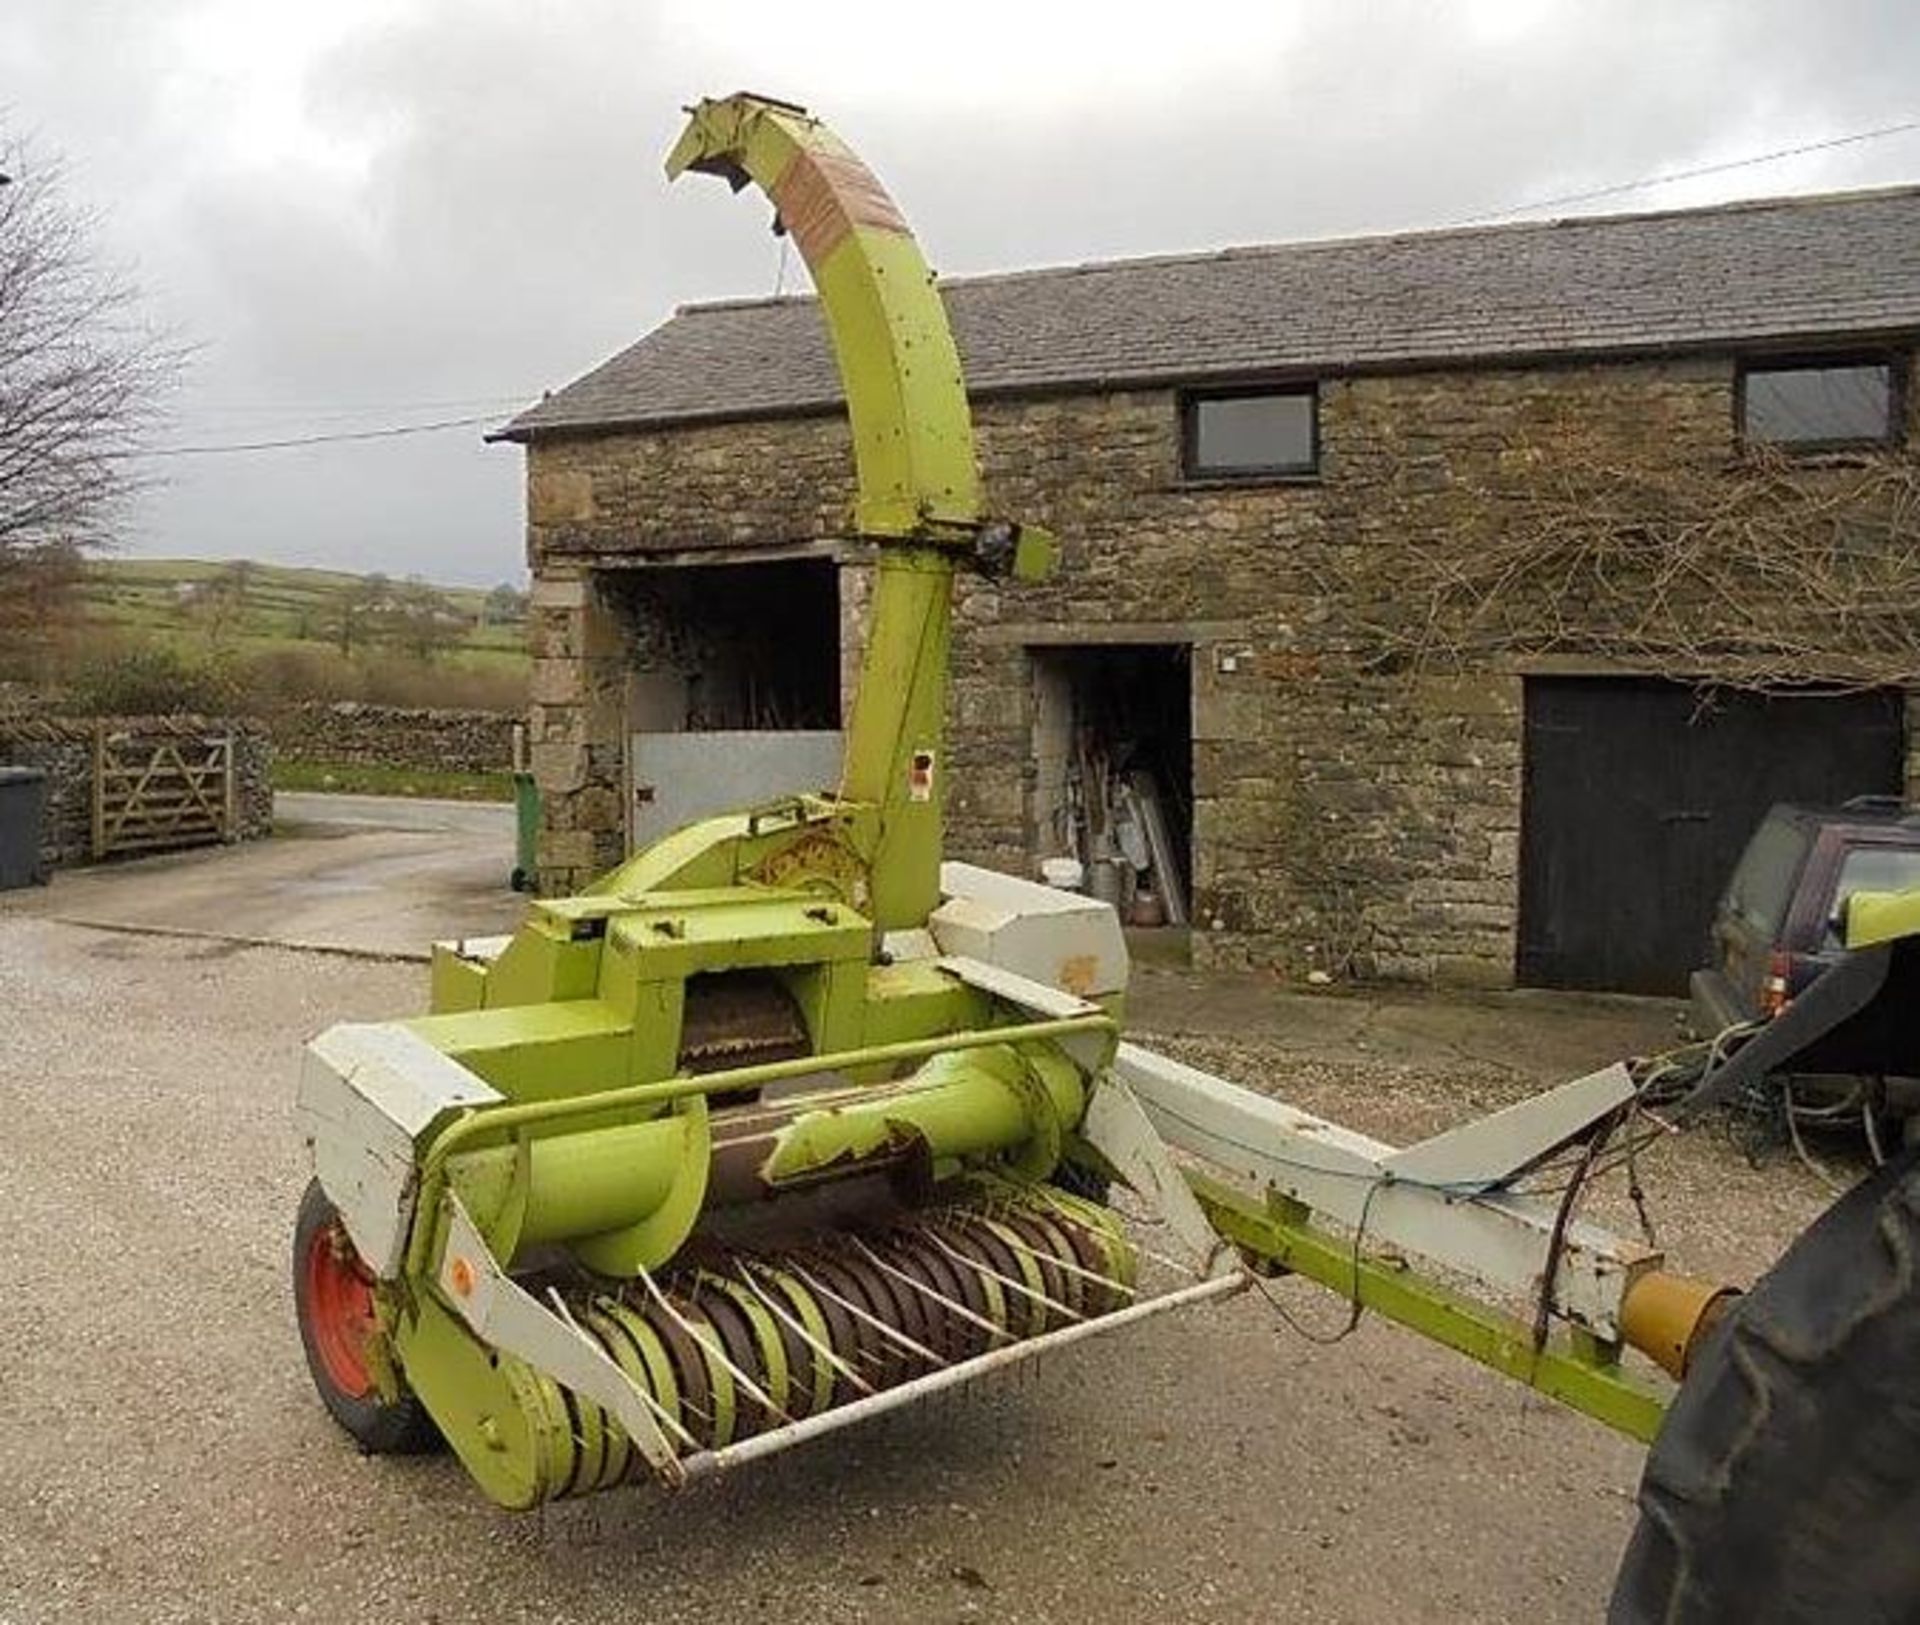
x=1343, y=814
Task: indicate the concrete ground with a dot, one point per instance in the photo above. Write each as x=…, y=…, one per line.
x=164, y=1458
x=381, y=873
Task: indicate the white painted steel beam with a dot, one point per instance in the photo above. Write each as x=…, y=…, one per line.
x=1500, y=1238
x=1497, y=1148
x=367, y=1091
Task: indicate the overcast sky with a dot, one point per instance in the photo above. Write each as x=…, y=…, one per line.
x=366, y=213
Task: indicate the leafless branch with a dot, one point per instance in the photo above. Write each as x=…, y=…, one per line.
x=1763, y=572
x=81, y=375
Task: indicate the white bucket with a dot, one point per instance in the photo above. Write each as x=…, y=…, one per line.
x=1063, y=874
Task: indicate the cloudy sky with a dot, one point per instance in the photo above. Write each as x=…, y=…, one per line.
x=375, y=213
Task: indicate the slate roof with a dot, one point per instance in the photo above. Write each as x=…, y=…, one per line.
x=1778, y=270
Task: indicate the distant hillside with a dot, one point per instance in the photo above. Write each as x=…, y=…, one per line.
x=256, y=607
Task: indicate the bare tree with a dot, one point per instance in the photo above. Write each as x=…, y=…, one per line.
x=421, y=621
x=80, y=374
x=220, y=602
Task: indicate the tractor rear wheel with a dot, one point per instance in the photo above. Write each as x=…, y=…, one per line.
x=1785, y=1483
x=333, y=1301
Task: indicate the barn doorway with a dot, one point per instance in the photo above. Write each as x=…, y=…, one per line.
x=732, y=686
x=728, y=648
x=1638, y=797
x=1113, y=773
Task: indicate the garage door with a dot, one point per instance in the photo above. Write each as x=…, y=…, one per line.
x=1639, y=796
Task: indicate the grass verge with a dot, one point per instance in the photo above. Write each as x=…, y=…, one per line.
x=360, y=779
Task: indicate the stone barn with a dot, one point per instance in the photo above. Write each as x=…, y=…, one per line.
x=1442, y=607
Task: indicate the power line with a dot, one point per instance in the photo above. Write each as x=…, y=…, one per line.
x=1620, y=187
x=391, y=432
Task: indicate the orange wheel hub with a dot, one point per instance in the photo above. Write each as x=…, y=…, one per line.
x=339, y=1307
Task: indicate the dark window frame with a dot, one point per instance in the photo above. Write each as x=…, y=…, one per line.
x=1898, y=365
x=1195, y=472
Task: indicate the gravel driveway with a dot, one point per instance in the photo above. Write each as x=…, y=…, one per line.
x=164, y=1459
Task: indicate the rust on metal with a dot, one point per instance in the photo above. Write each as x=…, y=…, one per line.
x=1078, y=973
x=822, y=195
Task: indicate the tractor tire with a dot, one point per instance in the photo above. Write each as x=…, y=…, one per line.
x=332, y=1299
x=1785, y=1482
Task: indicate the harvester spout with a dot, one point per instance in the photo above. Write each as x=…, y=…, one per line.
x=919, y=489
x=912, y=432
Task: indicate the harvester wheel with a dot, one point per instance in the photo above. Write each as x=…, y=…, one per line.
x=1785, y=1483
x=333, y=1301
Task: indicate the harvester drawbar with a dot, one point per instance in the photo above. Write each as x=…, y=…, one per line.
x=785, y=1122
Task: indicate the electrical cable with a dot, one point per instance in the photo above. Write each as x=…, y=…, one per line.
x=1356, y=1309
x=343, y=437
x=327, y=409
x=1873, y=1134
x=1615, y=190
x=1596, y=1137
x=1818, y=1171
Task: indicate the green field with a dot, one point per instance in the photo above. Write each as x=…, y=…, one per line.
x=280, y=606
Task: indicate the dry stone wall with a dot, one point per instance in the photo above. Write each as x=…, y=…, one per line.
x=350, y=733
x=1343, y=817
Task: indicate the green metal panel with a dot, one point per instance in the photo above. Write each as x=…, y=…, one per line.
x=896, y=745
x=536, y=1051
x=735, y=930
x=454, y=983
x=508, y=1427
x=542, y=962
x=915, y=1000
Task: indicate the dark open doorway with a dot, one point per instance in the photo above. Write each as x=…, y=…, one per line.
x=723, y=647
x=1113, y=786
x=732, y=687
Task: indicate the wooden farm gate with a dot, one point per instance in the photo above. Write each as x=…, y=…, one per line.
x=155, y=790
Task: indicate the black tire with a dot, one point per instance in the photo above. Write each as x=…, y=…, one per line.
x=380, y=1428
x=1785, y=1483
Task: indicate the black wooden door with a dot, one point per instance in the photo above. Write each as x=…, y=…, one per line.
x=1638, y=798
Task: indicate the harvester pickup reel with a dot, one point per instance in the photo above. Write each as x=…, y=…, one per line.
x=785, y=1123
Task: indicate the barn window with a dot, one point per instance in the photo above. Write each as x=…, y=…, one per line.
x=1824, y=404
x=1270, y=434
